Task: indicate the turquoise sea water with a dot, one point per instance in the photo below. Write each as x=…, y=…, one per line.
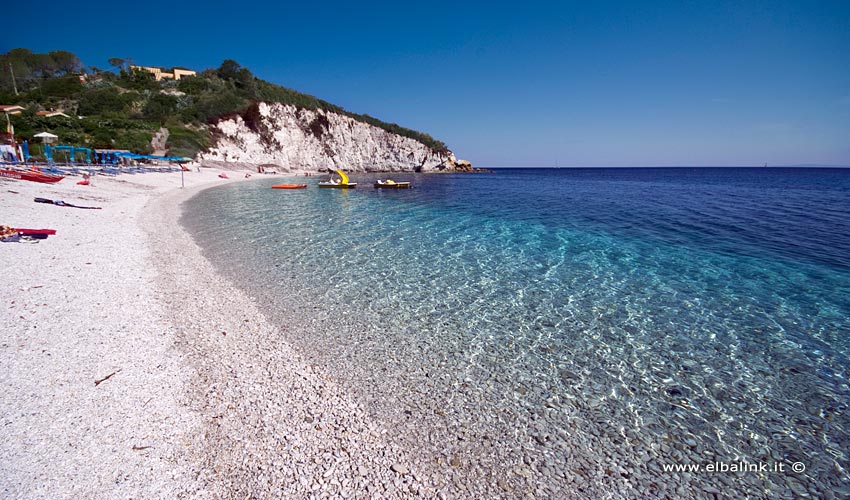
x=571, y=332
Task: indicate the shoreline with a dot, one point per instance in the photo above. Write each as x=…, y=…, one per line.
x=203, y=400
x=274, y=424
x=201, y=396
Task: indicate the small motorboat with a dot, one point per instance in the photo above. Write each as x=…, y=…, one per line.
x=391, y=184
x=31, y=175
x=289, y=186
x=342, y=183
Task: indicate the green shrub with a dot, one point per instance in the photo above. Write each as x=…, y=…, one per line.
x=194, y=85
x=102, y=100
x=138, y=79
x=183, y=141
x=211, y=107
x=159, y=107
x=65, y=86
x=138, y=141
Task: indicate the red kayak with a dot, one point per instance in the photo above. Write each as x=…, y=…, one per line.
x=38, y=234
x=30, y=176
x=289, y=186
x=34, y=232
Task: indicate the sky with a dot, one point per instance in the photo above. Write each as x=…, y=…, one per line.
x=589, y=83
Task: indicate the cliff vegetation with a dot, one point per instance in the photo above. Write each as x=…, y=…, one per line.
x=123, y=108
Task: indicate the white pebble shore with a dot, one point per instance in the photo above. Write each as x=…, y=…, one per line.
x=204, y=400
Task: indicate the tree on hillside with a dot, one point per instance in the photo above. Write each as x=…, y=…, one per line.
x=117, y=63
x=19, y=54
x=66, y=62
x=193, y=85
x=160, y=107
x=229, y=70
x=14, y=63
x=30, y=69
x=246, y=84
x=43, y=65
x=65, y=86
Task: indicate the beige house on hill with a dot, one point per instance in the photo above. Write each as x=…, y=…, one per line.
x=159, y=73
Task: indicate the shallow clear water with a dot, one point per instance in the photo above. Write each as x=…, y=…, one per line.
x=571, y=331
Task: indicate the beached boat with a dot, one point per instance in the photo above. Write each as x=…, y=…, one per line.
x=30, y=175
x=289, y=186
x=390, y=184
x=38, y=234
x=342, y=183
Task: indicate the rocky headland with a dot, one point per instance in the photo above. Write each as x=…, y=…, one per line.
x=287, y=138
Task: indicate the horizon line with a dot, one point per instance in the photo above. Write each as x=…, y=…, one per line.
x=796, y=165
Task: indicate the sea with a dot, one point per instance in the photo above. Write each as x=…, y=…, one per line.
x=570, y=333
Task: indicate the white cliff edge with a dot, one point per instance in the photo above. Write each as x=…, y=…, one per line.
x=288, y=138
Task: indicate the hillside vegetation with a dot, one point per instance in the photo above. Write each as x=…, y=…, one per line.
x=123, y=108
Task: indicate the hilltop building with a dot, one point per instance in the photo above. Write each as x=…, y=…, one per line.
x=159, y=73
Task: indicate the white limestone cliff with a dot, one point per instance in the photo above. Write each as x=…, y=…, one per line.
x=299, y=139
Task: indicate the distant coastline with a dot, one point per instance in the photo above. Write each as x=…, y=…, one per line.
x=804, y=165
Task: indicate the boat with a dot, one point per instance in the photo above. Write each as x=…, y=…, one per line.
x=38, y=234
x=340, y=184
x=31, y=175
x=391, y=184
x=289, y=186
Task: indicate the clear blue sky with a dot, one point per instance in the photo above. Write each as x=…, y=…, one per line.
x=585, y=83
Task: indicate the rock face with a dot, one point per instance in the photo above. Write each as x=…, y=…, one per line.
x=299, y=139
x=159, y=140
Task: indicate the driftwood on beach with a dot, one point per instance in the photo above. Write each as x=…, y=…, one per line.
x=104, y=379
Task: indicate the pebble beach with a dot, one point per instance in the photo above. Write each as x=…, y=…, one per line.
x=199, y=343
x=131, y=369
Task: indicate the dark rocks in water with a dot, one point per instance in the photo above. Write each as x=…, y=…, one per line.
x=266, y=167
x=677, y=391
x=568, y=375
x=466, y=166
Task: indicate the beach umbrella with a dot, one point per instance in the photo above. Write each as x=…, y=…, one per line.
x=46, y=137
